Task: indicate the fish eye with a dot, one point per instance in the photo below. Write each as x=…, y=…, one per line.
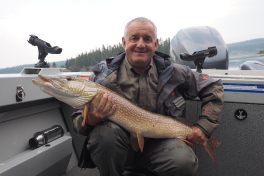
x=68, y=78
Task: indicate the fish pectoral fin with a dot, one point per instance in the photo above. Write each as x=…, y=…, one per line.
x=137, y=142
x=140, y=142
x=188, y=143
x=85, y=113
x=134, y=142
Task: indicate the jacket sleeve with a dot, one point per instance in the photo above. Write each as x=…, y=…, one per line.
x=212, y=102
x=211, y=93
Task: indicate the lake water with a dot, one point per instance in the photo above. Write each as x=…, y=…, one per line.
x=236, y=61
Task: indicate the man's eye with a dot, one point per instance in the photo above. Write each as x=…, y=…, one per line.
x=133, y=38
x=148, y=40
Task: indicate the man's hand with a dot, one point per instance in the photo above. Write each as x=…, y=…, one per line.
x=99, y=109
x=197, y=136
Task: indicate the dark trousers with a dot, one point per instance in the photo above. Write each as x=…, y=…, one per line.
x=109, y=146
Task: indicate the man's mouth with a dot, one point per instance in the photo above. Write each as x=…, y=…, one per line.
x=140, y=51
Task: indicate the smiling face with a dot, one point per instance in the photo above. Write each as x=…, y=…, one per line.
x=140, y=44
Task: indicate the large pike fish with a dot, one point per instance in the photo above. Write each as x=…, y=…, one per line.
x=78, y=92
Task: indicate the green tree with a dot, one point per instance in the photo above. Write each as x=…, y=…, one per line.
x=54, y=65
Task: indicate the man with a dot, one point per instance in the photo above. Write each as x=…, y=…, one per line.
x=149, y=80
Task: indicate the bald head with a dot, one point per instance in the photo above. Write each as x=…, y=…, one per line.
x=142, y=20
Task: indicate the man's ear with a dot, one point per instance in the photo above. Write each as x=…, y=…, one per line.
x=156, y=44
x=124, y=42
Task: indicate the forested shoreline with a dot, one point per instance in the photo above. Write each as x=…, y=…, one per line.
x=85, y=61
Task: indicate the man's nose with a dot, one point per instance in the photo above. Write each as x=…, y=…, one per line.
x=141, y=43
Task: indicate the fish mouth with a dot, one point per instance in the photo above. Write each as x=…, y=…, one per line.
x=48, y=81
x=36, y=81
x=44, y=78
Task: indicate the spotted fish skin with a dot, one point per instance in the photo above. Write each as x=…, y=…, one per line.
x=78, y=92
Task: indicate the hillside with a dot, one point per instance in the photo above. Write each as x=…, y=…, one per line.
x=18, y=69
x=246, y=47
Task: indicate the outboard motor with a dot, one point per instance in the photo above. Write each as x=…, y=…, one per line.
x=190, y=40
x=252, y=65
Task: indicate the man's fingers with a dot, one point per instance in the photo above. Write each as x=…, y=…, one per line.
x=95, y=101
x=108, y=105
x=104, y=108
x=197, y=136
x=190, y=137
x=102, y=103
x=112, y=109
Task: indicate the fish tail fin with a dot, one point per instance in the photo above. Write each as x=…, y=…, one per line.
x=210, y=145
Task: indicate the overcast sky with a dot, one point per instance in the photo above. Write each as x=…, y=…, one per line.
x=82, y=25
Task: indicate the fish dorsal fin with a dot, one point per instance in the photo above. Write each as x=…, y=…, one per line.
x=184, y=121
x=137, y=142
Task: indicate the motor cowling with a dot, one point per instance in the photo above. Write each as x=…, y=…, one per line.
x=192, y=39
x=252, y=65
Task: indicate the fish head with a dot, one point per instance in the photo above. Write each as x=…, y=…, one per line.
x=74, y=91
